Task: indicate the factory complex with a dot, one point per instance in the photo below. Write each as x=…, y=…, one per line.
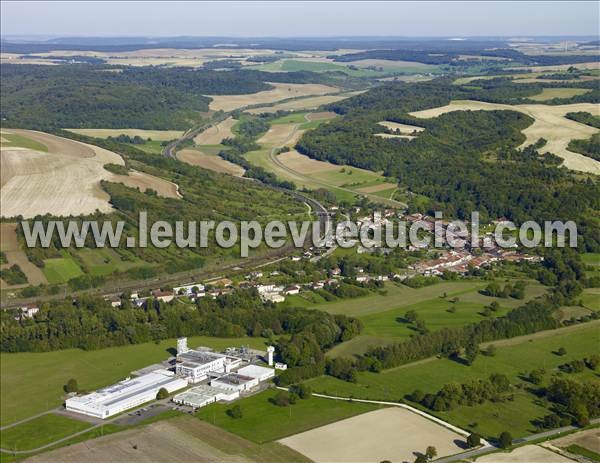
x=228, y=374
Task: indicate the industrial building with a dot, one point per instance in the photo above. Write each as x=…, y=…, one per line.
x=199, y=396
x=235, y=382
x=196, y=365
x=257, y=372
x=125, y=395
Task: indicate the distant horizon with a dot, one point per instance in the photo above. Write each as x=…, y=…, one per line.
x=300, y=19
x=395, y=37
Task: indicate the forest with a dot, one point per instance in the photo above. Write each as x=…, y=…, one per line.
x=99, y=96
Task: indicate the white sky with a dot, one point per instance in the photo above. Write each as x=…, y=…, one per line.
x=287, y=19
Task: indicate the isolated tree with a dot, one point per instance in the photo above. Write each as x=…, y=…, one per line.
x=71, y=386
x=561, y=351
x=235, y=412
x=473, y=440
x=494, y=306
x=431, y=452
x=302, y=390
x=162, y=394
x=505, y=440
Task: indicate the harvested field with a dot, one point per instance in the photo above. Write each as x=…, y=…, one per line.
x=63, y=181
x=391, y=135
x=303, y=164
x=525, y=454
x=159, y=135
x=281, y=135
x=210, y=162
x=181, y=439
x=15, y=255
x=558, y=67
x=144, y=181
x=304, y=103
x=403, y=128
x=374, y=436
x=550, y=124
x=588, y=439
x=377, y=188
x=550, y=93
x=216, y=133
x=279, y=92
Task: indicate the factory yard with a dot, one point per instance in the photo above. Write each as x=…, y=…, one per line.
x=549, y=123
x=393, y=434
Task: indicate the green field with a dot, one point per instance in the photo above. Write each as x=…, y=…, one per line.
x=382, y=316
x=33, y=382
x=104, y=261
x=264, y=422
x=40, y=431
x=550, y=93
x=21, y=142
x=61, y=269
x=289, y=65
x=513, y=358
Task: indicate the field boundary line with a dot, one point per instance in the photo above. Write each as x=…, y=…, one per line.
x=405, y=406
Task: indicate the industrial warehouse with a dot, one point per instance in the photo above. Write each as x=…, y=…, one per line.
x=127, y=394
x=225, y=372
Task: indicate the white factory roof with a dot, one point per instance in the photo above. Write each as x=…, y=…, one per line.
x=200, y=395
x=256, y=371
x=121, y=393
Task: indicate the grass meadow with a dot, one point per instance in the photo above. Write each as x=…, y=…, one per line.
x=513, y=358
x=264, y=422
x=40, y=431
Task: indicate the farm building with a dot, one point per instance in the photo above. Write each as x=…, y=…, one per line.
x=195, y=365
x=202, y=395
x=258, y=372
x=125, y=395
x=235, y=382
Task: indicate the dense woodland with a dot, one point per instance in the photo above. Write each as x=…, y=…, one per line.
x=88, y=96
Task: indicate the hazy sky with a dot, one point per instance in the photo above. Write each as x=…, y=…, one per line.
x=299, y=18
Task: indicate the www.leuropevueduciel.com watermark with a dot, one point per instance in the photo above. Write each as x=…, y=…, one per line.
x=370, y=233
